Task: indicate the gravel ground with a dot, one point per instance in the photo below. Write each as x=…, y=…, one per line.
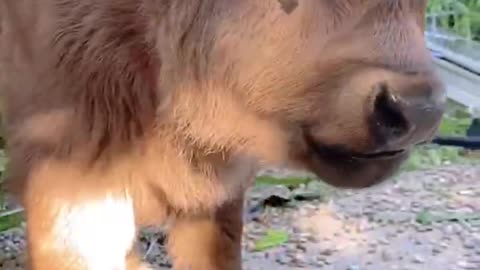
x=372, y=229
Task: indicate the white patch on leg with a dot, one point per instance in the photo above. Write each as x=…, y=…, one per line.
x=100, y=232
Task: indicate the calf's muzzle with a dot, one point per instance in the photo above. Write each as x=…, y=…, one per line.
x=407, y=113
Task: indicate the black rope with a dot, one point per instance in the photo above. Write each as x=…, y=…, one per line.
x=471, y=143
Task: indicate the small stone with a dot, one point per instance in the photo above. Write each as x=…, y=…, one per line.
x=387, y=256
x=319, y=264
x=299, y=257
x=417, y=242
x=353, y=267
x=467, y=192
x=446, y=238
x=325, y=260
x=327, y=252
x=391, y=234
x=471, y=242
x=418, y=259
x=301, y=247
x=452, y=206
x=444, y=244
x=436, y=250
x=421, y=228
x=403, y=217
x=468, y=244
x=383, y=241
x=416, y=204
x=364, y=225
x=311, y=238
x=467, y=265
x=282, y=259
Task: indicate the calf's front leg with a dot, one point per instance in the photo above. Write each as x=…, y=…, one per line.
x=208, y=242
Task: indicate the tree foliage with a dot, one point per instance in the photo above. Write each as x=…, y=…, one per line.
x=459, y=16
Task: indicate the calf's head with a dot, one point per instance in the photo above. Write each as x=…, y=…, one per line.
x=350, y=82
x=347, y=87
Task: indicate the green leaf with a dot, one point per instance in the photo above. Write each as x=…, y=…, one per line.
x=287, y=181
x=427, y=218
x=272, y=238
x=424, y=217
x=10, y=221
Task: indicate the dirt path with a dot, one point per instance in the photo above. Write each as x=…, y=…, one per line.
x=377, y=228
x=373, y=229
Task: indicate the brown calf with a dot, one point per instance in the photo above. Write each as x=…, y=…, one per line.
x=127, y=113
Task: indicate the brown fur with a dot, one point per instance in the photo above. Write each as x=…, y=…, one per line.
x=179, y=102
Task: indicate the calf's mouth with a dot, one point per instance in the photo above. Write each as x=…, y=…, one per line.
x=341, y=152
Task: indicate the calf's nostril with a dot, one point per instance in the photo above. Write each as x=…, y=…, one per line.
x=390, y=121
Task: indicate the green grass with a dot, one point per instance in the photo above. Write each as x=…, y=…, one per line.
x=455, y=123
